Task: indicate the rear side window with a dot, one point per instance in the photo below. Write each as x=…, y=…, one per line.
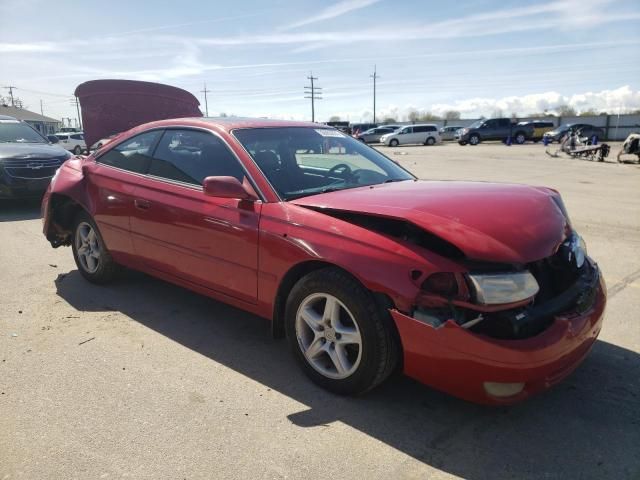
x=77, y=136
x=190, y=156
x=420, y=129
x=63, y=137
x=133, y=154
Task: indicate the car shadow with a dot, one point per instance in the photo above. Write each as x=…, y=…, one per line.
x=587, y=427
x=16, y=210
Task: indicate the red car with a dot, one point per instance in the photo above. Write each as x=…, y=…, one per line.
x=482, y=290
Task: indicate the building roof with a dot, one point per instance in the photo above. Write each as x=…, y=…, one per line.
x=22, y=114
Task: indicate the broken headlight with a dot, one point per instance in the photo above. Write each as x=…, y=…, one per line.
x=502, y=288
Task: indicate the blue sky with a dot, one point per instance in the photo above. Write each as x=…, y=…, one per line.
x=475, y=56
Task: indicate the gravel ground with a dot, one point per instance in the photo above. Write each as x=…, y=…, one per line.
x=144, y=380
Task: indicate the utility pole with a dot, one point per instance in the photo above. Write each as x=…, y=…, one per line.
x=206, y=104
x=74, y=101
x=375, y=76
x=10, y=88
x=313, y=93
x=41, y=110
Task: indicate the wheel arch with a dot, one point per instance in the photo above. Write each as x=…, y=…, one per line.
x=295, y=273
x=62, y=211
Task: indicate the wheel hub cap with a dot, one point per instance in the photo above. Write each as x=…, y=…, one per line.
x=328, y=336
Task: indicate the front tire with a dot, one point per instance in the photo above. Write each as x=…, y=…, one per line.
x=90, y=253
x=339, y=335
x=394, y=143
x=520, y=138
x=474, y=140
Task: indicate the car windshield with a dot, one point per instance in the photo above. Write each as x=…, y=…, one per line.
x=476, y=124
x=16, y=132
x=302, y=161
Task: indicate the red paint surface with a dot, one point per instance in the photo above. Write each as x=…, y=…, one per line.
x=238, y=251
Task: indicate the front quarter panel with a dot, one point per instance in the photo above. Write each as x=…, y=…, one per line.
x=291, y=235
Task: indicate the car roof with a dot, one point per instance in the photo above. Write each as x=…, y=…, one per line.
x=231, y=123
x=7, y=117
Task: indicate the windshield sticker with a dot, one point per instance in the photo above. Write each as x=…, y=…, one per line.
x=326, y=132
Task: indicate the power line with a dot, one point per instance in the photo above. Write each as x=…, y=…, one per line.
x=375, y=76
x=206, y=103
x=310, y=92
x=10, y=88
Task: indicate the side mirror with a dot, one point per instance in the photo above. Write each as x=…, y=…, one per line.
x=226, y=187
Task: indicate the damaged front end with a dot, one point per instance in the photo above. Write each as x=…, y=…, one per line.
x=499, y=333
x=510, y=302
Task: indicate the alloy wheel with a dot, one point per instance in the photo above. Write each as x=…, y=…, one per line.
x=328, y=336
x=88, y=247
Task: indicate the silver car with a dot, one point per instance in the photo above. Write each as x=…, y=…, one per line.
x=373, y=134
x=449, y=132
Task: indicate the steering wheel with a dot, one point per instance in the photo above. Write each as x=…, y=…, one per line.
x=346, y=170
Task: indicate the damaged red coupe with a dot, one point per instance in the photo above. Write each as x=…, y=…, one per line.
x=482, y=290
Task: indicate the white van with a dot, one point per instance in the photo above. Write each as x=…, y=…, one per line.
x=74, y=142
x=425, y=134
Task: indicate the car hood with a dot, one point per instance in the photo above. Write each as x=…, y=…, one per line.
x=114, y=106
x=26, y=151
x=490, y=222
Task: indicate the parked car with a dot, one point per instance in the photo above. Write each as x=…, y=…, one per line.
x=373, y=135
x=27, y=159
x=540, y=127
x=362, y=127
x=493, y=129
x=449, y=132
x=74, y=142
x=412, y=134
x=100, y=143
x=364, y=267
x=583, y=129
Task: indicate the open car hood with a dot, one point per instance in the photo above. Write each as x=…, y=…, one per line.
x=114, y=106
x=489, y=222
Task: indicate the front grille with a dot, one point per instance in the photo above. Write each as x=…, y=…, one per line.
x=31, y=168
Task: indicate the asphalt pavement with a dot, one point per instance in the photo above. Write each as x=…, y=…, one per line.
x=144, y=380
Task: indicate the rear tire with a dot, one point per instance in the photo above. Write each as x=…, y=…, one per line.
x=90, y=253
x=343, y=340
x=430, y=141
x=78, y=150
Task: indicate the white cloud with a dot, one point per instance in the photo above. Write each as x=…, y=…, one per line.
x=623, y=99
x=336, y=10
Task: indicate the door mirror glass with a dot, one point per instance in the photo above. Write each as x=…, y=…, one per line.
x=225, y=187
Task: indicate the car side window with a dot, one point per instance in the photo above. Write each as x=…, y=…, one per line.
x=133, y=154
x=190, y=156
x=77, y=137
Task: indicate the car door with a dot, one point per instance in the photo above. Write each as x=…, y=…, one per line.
x=112, y=180
x=405, y=135
x=180, y=231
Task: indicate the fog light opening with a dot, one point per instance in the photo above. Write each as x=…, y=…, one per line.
x=497, y=389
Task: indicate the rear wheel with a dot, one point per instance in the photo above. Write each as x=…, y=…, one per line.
x=77, y=150
x=430, y=141
x=89, y=252
x=394, y=143
x=337, y=332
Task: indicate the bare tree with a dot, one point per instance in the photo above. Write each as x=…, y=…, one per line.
x=566, y=111
x=413, y=116
x=452, y=115
x=428, y=116
x=334, y=118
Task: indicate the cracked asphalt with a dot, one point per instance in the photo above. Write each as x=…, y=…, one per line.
x=144, y=380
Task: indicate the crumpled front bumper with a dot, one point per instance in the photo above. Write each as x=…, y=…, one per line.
x=457, y=361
